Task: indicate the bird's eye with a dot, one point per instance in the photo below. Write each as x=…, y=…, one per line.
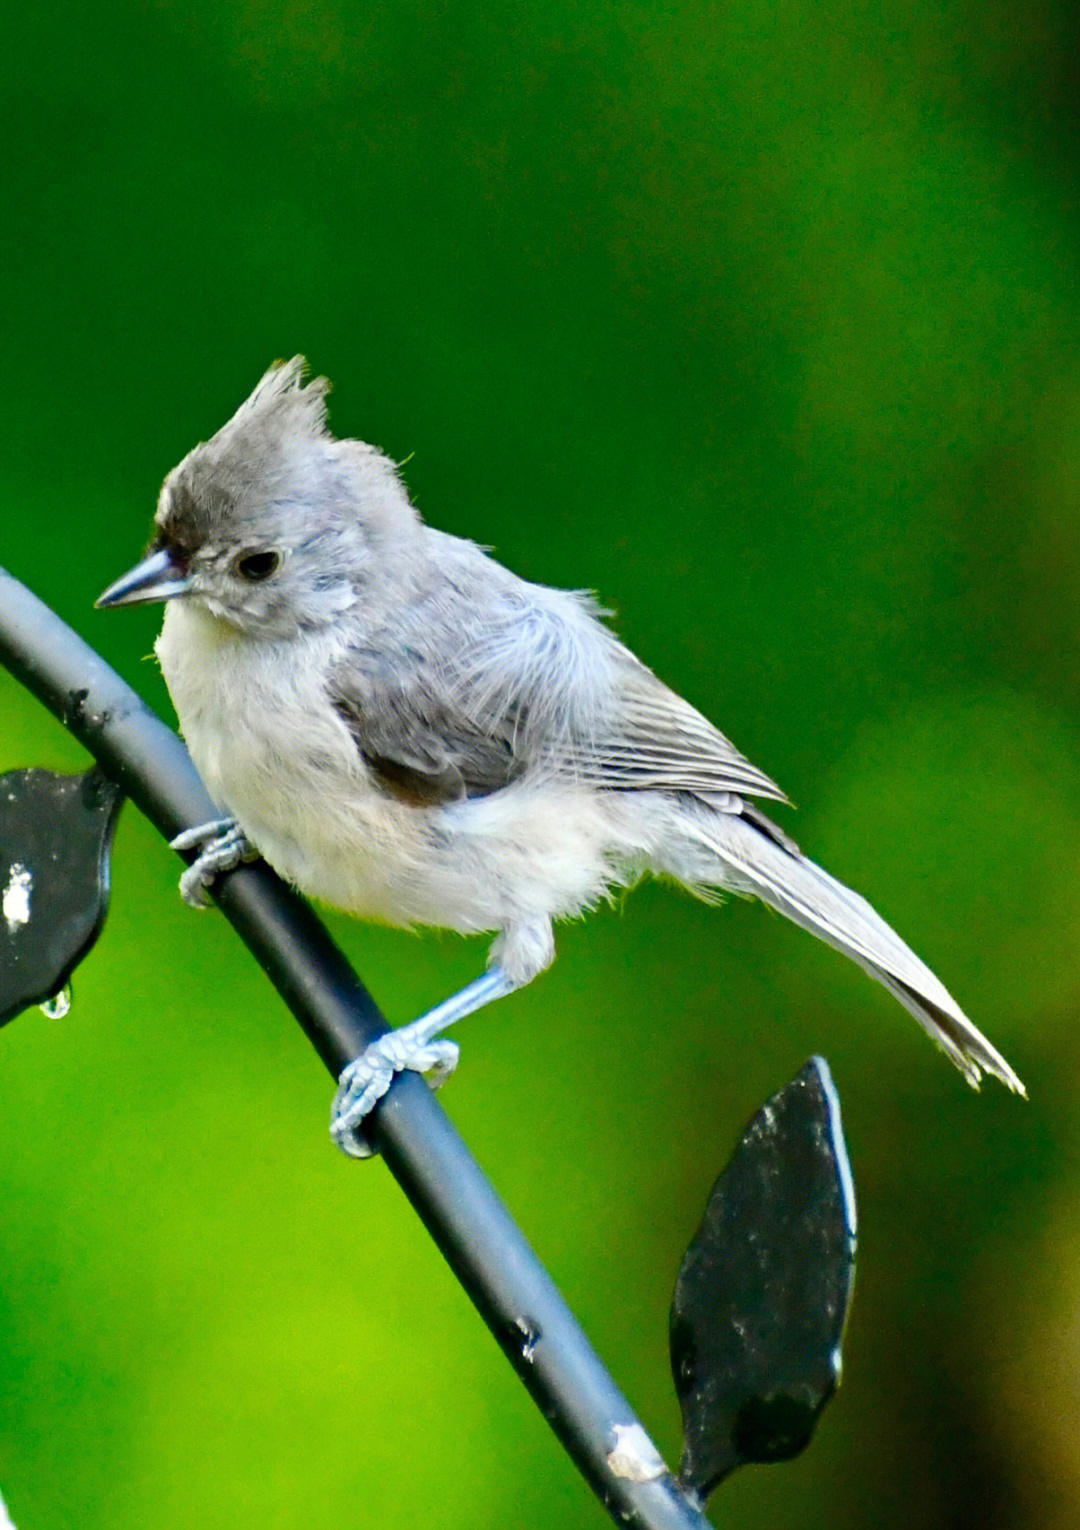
x=255, y=566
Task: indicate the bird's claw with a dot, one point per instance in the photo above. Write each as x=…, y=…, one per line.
x=367, y=1078
x=224, y=846
x=419, y=1047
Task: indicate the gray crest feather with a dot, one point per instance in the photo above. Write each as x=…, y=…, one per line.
x=282, y=390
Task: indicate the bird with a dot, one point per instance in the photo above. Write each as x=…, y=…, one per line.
x=406, y=730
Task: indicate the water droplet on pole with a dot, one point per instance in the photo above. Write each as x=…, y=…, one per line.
x=59, y=1005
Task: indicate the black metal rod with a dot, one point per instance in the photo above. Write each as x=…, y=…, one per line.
x=476, y=1234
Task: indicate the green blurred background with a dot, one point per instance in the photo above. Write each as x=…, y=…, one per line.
x=761, y=319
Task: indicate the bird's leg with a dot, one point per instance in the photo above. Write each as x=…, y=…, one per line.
x=417, y=1047
x=224, y=844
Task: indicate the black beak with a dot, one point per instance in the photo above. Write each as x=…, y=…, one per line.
x=159, y=576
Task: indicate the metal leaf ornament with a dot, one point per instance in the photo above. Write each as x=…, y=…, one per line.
x=761, y=1300
x=55, y=837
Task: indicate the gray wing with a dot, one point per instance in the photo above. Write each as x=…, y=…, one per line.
x=422, y=747
x=653, y=740
x=475, y=693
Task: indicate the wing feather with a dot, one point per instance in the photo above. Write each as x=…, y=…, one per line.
x=653, y=740
x=532, y=682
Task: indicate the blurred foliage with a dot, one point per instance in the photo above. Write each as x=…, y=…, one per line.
x=761, y=319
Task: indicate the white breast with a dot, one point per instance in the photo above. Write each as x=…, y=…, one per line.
x=274, y=753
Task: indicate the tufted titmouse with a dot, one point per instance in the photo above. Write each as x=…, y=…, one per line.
x=408, y=731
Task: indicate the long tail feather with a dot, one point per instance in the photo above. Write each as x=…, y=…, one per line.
x=758, y=858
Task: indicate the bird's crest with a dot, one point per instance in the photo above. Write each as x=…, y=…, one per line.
x=282, y=389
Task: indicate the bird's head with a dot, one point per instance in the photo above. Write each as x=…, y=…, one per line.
x=273, y=525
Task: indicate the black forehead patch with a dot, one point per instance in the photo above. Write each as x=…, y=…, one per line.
x=183, y=525
x=185, y=522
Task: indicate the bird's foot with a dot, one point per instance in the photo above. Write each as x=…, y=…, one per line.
x=418, y=1048
x=224, y=846
x=364, y=1082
